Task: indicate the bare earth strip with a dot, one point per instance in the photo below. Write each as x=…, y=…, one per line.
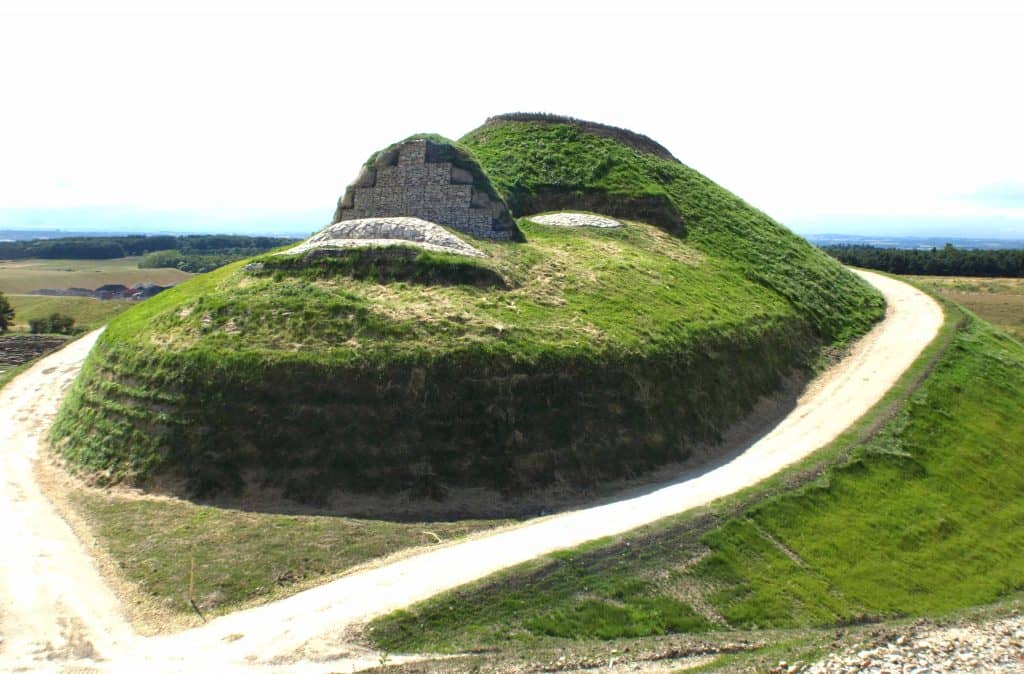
x=42, y=592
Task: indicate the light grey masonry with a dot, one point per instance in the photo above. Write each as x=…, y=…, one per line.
x=385, y=233
x=404, y=182
x=571, y=219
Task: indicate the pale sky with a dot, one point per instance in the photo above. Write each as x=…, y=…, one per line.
x=810, y=111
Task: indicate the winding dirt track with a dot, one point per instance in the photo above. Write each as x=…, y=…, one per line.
x=57, y=615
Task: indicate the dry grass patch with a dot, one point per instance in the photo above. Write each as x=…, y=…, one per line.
x=240, y=558
x=22, y=276
x=997, y=300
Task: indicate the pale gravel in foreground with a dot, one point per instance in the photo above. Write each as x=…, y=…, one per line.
x=46, y=592
x=996, y=646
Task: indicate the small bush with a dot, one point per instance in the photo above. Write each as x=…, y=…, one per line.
x=54, y=323
x=6, y=313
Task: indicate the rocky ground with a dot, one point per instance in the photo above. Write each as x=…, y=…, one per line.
x=383, y=232
x=568, y=219
x=996, y=646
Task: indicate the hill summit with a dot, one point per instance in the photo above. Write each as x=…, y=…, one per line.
x=439, y=350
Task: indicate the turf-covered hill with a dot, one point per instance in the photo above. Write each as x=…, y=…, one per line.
x=577, y=356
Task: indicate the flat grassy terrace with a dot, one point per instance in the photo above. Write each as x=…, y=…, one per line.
x=241, y=558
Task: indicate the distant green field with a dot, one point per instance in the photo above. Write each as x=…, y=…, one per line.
x=997, y=300
x=88, y=312
x=22, y=276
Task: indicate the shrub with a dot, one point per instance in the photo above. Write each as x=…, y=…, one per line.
x=6, y=313
x=54, y=323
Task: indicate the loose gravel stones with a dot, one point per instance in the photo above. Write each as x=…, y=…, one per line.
x=384, y=232
x=568, y=219
x=987, y=647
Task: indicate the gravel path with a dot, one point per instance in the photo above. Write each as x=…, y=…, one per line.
x=996, y=646
x=54, y=605
x=45, y=588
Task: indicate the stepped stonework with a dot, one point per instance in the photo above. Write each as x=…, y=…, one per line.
x=418, y=179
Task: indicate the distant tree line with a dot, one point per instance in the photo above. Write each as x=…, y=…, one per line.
x=111, y=247
x=196, y=263
x=946, y=261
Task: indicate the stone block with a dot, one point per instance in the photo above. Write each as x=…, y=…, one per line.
x=348, y=200
x=460, y=176
x=364, y=197
x=438, y=174
x=479, y=199
x=389, y=176
x=401, y=182
x=413, y=153
x=480, y=219
x=389, y=158
x=457, y=195
x=367, y=177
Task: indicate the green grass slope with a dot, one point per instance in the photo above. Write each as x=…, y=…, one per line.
x=566, y=360
x=240, y=557
x=547, y=165
x=923, y=517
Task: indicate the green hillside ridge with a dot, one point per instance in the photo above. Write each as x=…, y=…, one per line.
x=596, y=354
x=922, y=516
x=541, y=166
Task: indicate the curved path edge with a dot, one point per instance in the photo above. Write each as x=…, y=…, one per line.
x=306, y=632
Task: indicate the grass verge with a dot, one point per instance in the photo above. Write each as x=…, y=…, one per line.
x=917, y=515
x=241, y=558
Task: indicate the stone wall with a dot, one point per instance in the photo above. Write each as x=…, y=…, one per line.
x=405, y=182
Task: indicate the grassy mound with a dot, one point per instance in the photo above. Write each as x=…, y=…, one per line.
x=388, y=265
x=562, y=361
x=923, y=517
x=545, y=165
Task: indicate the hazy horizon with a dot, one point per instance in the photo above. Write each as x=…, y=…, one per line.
x=303, y=223
x=874, y=118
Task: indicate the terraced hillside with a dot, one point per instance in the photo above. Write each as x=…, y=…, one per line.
x=428, y=381
x=915, y=512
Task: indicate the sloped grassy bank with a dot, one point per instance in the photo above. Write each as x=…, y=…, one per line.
x=923, y=517
x=598, y=355
x=553, y=163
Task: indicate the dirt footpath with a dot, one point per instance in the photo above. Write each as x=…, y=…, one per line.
x=54, y=606
x=56, y=609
